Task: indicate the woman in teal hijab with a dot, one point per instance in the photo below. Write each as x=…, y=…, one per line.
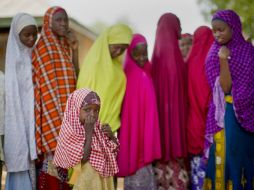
x=102, y=72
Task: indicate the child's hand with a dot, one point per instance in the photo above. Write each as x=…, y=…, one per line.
x=89, y=124
x=107, y=130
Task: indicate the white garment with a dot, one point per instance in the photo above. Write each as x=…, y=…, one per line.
x=19, y=142
x=1, y=103
x=1, y=113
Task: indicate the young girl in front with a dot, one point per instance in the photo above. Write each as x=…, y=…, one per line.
x=83, y=140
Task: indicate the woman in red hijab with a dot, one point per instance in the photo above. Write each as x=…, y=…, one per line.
x=198, y=99
x=168, y=77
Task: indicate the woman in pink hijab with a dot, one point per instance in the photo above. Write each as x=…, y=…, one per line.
x=139, y=134
x=168, y=76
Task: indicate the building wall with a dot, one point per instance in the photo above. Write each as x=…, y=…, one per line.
x=84, y=45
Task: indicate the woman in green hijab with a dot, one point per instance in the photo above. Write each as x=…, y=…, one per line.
x=102, y=72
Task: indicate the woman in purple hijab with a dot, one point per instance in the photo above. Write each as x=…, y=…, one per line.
x=230, y=122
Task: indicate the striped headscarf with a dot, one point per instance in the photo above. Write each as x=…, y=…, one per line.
x=70, y=146
x=54, y=79
x=241, y=67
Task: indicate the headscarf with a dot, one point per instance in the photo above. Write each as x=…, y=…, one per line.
x=54, y=79
x=198, y=89
x=139, y=134
x=168, y=76
x=105, y=75
x=186, y=37
x=70, y=146
x=241, y=67
x=19, y=142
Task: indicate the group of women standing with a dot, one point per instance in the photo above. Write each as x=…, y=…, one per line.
x=170, y=114
x=38, y=80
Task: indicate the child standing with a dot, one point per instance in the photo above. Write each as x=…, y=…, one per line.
x=82, y=139
x=139, y=134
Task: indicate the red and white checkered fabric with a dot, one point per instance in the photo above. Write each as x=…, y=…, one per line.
x=70, y=145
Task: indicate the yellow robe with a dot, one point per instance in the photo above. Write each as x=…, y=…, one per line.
x=89, y=179
x=104, y=75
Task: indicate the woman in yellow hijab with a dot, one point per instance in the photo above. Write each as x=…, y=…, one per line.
x=102, y=72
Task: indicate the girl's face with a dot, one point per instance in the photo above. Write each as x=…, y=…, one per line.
x=139, y=54
x=117, y=49
x=60, y=23
x=89, y=110
x=28, y=35
x=221, y=31
x=185, y=46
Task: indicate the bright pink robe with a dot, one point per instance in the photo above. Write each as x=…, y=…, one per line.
x=139, y=134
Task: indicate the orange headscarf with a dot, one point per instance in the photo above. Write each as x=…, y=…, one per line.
x=54, y=79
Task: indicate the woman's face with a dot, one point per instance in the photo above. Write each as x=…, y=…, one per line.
x=139, y=54
x=117, y=49
x=60, y=23
x=221, y=31
x=28, y=35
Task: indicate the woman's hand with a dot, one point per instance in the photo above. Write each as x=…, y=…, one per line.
x=72, y=40
x=225, y=75
x=73, y=43
x=224, y=53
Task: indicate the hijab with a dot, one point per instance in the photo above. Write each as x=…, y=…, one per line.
x=19, y=99
x=241, y=65
x=198, y=89
x=168, y=77
x=139, y=134
x=105, y=75
x=54, y=80
x=70, y=147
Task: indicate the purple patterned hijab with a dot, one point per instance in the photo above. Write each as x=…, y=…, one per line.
x=241, y=67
